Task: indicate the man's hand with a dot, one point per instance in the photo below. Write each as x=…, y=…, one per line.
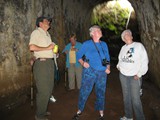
x=32, y=60
x=51, y=46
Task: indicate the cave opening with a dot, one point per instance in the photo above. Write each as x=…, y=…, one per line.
x=114, y=17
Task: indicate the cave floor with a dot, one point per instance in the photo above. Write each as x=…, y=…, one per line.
x=66, y=105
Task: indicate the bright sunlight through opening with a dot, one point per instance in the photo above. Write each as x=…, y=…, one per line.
x=125, y=4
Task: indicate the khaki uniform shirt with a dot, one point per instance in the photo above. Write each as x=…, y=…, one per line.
x=42, y=39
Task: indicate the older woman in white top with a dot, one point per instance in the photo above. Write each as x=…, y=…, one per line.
x=132, y=64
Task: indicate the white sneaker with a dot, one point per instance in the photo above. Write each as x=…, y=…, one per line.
x=52, y=99
x=124, y=118
x=141, y=92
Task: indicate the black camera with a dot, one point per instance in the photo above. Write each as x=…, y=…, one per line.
x=85, y=59
x=105, y=62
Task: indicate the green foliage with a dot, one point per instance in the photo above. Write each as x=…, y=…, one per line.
x=111, y=17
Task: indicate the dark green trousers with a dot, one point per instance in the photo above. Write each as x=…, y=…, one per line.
x=44, y=76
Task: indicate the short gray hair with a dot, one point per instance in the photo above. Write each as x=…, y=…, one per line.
x=124, y=33
x=91, y=29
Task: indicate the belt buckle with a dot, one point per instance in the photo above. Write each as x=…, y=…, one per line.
x=42, y=59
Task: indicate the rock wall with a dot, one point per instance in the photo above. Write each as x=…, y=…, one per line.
x=148, y=15
x=14, y=56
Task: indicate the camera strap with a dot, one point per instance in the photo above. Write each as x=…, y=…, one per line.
x=98, y=50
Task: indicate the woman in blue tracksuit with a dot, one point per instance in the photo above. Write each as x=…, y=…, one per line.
x=95, y=69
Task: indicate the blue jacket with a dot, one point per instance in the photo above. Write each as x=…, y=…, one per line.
x=67, y=48
x=95, y=59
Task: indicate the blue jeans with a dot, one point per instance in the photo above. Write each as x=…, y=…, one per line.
x=91, y=77
x=131, y=96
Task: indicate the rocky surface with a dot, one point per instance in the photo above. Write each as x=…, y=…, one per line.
x=66, y=105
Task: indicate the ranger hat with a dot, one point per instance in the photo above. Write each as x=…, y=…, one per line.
x=40, y=19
